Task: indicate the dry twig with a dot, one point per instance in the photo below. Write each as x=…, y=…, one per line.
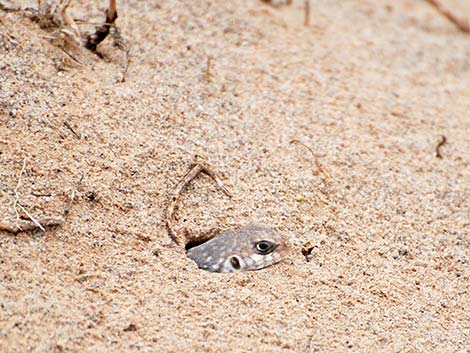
x=17, y=196
x=128, y=62
x=32, y=218
x=317, y=162
x=9, y=9
x=68, y=126
x=307, y=13
x=461, y=23
x=195, y=170
x=27, y=226
x=69, y=22
x=208, y=73
x=102, y=31
x=277, y=3
x=439, y=145
x=53, y=16
x=69, y=55
x=22, y=225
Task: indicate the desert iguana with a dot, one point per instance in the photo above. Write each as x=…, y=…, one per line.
x=252, y=247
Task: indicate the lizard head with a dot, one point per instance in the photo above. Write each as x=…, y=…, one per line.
x=248, y=248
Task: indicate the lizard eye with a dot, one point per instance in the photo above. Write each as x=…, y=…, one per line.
x=264, y=247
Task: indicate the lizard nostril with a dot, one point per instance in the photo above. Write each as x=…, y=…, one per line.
x=235, y=263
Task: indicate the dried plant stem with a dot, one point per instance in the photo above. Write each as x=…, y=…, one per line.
x=27, y=226
x=32, y=218
x=195, y=170
x=439, y=145
x=208, y=73
x=128, y=62
x=315, y=158
x=21, y=225
x=461, y=23
x=102, y=31
x=17, y=196
x=307, y=13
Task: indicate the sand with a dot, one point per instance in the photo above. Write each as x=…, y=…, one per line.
x=368, y=89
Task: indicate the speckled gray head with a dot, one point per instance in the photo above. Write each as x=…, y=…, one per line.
x=252, y=247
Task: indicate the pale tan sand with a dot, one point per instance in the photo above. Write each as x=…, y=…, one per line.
x=370, y=87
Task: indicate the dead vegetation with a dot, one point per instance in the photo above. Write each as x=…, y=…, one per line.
x=461, y=23
x=65, y=33
x=54, y=18
x=24, y=220
x=102, y=31
x=307, y=13
x=196, y=169
x=439, y=145
x=24, y=225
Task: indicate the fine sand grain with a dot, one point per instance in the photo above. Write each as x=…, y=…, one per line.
x=368, y=90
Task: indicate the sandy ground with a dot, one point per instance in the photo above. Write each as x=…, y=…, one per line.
x=370, y=87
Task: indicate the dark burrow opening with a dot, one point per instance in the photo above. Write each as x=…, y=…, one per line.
x=201, y=238
x=193, y=243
